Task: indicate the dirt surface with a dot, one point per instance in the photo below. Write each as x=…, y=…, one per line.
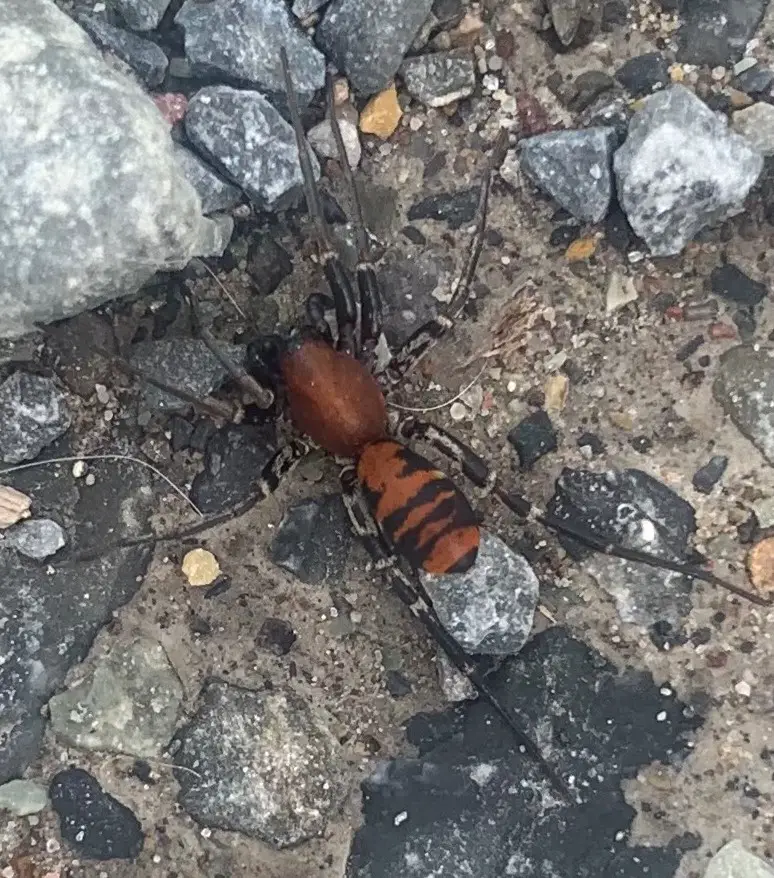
x=535, y=313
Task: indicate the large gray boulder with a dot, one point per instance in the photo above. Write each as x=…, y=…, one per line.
x=93, y=200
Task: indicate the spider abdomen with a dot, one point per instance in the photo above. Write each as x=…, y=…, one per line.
x=333, y=398
x=419, y=509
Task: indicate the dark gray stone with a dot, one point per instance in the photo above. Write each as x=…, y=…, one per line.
x=609, y=110
x=730, y=282
x=706, y=477
x=456, y=209
x=681, y=170
x=141, y=14
x=216, y=193
x=573, y=167
x=145, y=58
x=249, y=141
x=440, y=78
x=745, y=388
x=38, y=538
x=262, y=763
x=302, y=9
x=51, y=619
x=186, y=363
x=313, y=541
x=754, y=81
x=368, y=41
x=128, y=703
x=268, y=264
x=588, y=86
x=471, y=804
x=93, y=822
x=277, y=636
x=489, y=609
x=92, y=210
x=33, y=413
x=643, y=74
x=630, y=509
x=235, y=456
x=241, y=39
x=533, y=437
x=716, y=32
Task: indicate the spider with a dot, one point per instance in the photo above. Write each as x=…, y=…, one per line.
x=410, y=516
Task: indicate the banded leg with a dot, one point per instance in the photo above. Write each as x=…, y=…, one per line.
x=260, y=395
x=481, y=474
x=335, y=274
x=282, y=462
x=423, y=339
x=414, y=597
x=371, y=307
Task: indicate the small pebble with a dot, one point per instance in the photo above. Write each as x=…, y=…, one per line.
x=760, y=565
x=14, y=506
x=743, y=688
x=556, y=389
x=90, y=480
x=200, y=567
x=705, y=478
x=381, y=114
x=458, y=411
x=79, y=468
x=622, y=420
x=580, y=250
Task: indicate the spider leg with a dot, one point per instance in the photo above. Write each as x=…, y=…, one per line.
x=423, y=339
x=315, y=314
x=482, y=474
x=338, y=280
x=371, y=307
x=277, y=467
x=260, y=395
x=413, y=595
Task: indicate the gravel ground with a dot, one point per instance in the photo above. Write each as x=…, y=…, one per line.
x=539, y=322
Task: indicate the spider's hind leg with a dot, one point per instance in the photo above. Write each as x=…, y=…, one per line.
x=413, y=595
x=481, y=473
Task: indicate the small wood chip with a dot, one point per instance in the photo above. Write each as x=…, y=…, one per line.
x=200, y=567
x=381, y=114
x=583, y=248
x=14, y=506
x=760, y=566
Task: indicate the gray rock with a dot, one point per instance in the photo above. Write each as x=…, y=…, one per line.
x=33, y=412
x=129, y=703
x=23, y=797
x=52, y=613
x=489, y=609
x=302, y=9
x=733, y=861
x=573, y=167
x=440, y=78
x=246, y=138
x=323, y=141
x=745, y=388
x=455, y=686
x=313, y=541
x=262, y=764
x=145, y=58
x=216, y=193
x=186, y=363
x=38, y=538
x=98, y=205
x=681, y=169
x=756, y=125
x=141, y=14
x=241, y=40
x=716, y=32
x=368, y=41
x=633, y=510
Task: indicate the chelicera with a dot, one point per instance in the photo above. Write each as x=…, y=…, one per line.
x=410, y=515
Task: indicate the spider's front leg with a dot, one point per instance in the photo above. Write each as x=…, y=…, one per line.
x=423, y=339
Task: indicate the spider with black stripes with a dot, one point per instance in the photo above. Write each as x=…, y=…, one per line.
x=411, y=516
